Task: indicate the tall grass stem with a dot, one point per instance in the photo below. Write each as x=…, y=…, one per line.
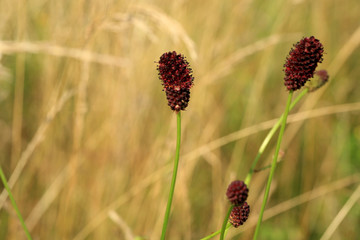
x=173, y=180
x=270, y=135
x=3, y=179
x=262, y=149
x=222, y=234
x=273, y=166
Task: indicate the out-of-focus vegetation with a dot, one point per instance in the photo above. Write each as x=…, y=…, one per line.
x=87, y=139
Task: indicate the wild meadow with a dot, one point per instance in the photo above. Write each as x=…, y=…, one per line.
x=87, y=139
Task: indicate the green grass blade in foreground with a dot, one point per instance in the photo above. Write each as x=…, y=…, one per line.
x=222, y=234
x=173, y=180
x=3, y=179
x=270, y=135
x=273, y=166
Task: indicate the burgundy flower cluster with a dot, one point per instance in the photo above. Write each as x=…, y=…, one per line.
x=302, y=61
x=176, y=76
x=237, y=194
x=239, y=214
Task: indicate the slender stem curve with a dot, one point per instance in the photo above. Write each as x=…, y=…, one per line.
x=273, y=166
x=261, y=150
x=216, y=233
x=270, y=135
x=173, y=180
x=3, y=179
x=222, y=234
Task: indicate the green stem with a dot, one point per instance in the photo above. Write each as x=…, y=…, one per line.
x=261, y=150
x=216, y=233
x=3, y=179
x=173, y=180
x=273, y=166
x=270, y=135
x=226, y=219
x=264, y=168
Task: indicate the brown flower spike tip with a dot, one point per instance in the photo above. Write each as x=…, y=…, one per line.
x=302, y=61
x=176, y=76
x=237, y=192
x=239, y=215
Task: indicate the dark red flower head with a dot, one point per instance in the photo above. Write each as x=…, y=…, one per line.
x=176, y=76
x=302, y=61
x=174, y=71
x=239, y=215
x=237, y=192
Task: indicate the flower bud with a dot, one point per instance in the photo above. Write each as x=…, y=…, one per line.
x=322, y=78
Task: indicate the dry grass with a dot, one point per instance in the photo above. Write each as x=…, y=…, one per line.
x=87, y=138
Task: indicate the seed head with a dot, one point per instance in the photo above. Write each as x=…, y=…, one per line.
x=237, y=192
x=176, y=76
x=302, y=62
x=177, y=99
x=239, y=214
x=174, y=71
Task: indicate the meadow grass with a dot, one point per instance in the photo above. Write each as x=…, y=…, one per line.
x=87, y=140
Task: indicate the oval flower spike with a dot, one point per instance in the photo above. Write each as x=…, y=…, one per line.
x=176, y=76
x=302, y=61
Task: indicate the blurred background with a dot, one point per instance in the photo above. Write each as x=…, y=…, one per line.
x=87, y=140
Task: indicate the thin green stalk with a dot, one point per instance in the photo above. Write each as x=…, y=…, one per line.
x=273, y=166
x=3, y=179
x=270, y=135
x=173, y=180
x=216, y=233
x=225, y=222
x=261, y=150
x=264, y=168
